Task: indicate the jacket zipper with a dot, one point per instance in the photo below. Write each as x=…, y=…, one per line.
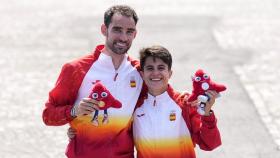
x=156, y=122
x=116, y=75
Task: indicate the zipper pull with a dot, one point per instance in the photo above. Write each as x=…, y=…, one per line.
x=116, y=75
x=155, y=102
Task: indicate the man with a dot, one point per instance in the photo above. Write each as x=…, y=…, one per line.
x=68, y=101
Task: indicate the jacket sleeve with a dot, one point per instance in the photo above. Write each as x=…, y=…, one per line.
x=60, y=102
x=204, y=130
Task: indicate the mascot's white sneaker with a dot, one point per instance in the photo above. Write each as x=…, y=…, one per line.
x=200, y=109
x=203, y=98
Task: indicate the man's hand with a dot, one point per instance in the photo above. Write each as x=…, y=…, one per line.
x=86, y=106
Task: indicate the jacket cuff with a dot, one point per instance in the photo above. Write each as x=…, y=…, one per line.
x=68, y=115
x=209, y=121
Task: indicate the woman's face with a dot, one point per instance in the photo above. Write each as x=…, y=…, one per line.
x=156, y=75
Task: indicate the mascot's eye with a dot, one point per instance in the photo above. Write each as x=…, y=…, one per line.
x=94, y=95
x=197, y=79
x=104, y=94
x=205, y=76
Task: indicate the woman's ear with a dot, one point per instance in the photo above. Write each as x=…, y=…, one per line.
x=170, y=73
x=104, y=29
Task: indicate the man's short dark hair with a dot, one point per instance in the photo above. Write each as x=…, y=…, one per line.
x=155, y=51
x=120, y=9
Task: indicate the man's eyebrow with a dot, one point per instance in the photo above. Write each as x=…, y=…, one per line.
x=117, y=27
x=131, y=29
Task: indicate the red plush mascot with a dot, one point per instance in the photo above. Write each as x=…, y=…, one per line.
x=106, y=100
x=202, y=83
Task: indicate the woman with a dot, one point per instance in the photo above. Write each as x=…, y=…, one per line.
x=164, y=125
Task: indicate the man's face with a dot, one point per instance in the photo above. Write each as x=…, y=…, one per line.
x=156, y=75
x=120, y=33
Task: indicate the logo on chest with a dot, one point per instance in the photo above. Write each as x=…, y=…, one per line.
x=172, y=115
x=140, y=115
x=132, y=82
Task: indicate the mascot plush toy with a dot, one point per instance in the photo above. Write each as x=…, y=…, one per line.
x=106, y=100
x=202, y=83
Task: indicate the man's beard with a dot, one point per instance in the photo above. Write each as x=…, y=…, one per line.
x=118, y=50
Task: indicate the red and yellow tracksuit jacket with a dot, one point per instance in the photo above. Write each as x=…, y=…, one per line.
x=113, y=140
x=165, y=126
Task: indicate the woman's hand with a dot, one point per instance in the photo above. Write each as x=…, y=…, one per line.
x=212, y=95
